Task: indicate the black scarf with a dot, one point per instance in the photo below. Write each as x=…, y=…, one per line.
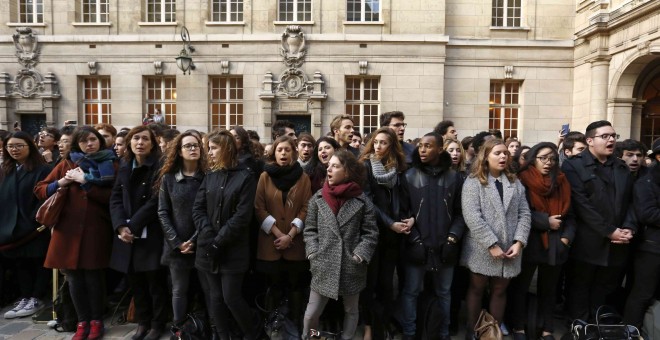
x=284, y=177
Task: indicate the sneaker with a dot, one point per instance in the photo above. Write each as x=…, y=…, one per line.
x=17, y=307
x=96, y=330
x=505, y=331
x=81, y=331
x=32, y=306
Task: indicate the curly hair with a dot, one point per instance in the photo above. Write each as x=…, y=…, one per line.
x=173, y=161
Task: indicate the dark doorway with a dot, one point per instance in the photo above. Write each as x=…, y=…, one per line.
x=303, y=122
x=33, y=123
x=651, y=113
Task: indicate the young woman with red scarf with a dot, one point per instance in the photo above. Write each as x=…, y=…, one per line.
x=553, y=229
x=340, y=238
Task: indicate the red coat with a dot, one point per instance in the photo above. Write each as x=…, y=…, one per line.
x=82, y=239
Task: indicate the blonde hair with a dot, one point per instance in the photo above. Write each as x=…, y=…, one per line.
x=461, y=163
x=480, y=166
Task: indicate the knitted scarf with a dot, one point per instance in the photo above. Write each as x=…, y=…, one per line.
x=551, y=200
x=337, y=195
x=382, y=176
x=98, y=167
x=284, y=177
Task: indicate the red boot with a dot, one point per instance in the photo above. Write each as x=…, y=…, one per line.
x=82, y=331
x=96, y=330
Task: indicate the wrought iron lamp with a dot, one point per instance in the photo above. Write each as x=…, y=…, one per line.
x=184, y=60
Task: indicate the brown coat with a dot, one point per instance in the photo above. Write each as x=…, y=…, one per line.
x=82, y=239
x=268, y=202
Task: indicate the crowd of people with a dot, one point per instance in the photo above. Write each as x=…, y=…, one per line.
x=226, y=222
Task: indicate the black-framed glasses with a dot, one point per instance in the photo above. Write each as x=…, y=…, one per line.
x=15, y=146
x=607, y=136
x=546, y=159
x=399, y=125
x=46, y=134
x=190, y=147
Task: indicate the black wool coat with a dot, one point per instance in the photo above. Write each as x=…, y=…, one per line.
x=597, y=215
x=222, y=213
x=647, y=207
x=134, y=203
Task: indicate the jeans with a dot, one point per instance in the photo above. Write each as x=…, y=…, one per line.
x=87, y=289
x=224, y=300
x=412, y=288
x=181, y=277
x=316, y=305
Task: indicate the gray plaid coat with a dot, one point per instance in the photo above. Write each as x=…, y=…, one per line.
x=331, y=241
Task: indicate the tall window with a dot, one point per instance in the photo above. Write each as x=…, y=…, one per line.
x=506, y=13
x=96, y=101
x=95, y=11
x=363, y=10
x=227, y=10
x=226, y=102
x=363, y=102
x=161, y=10
x=161, y=95
x=504, y=108
x=295, y=10
x=30, y=11
x=650, y=127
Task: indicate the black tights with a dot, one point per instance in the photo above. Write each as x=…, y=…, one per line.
x=87, y=289
x=478, y=284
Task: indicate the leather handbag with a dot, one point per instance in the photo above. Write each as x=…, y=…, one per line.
x=609, y=326
x=487, y=328
x=49, y=212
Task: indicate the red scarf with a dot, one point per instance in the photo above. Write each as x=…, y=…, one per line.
x=553, y=201
x=337, y=195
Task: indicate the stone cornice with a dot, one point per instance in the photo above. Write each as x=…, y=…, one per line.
x=511, y=43
x=644, y=9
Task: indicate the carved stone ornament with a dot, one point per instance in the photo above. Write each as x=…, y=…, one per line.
x=27, y=83
x=293, y=84
x=293, y=48
x=27, y=49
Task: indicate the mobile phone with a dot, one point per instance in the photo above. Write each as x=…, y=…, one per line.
x=565, y=129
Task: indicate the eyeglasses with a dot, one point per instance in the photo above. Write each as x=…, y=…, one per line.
x=190, y=147
x=399, y=125
x=545, y=159
x=15, y=146
x=46, y=134
x=607, y=136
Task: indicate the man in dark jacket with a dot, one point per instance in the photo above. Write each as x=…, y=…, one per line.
x=601, y=191
x=435, y=202
x=394, y=120
x=647, y=259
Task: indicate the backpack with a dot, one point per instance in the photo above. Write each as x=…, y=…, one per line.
x=429, y=316
x=193, y=328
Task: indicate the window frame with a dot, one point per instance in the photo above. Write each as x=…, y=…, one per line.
x=240, y=15
x=37, y=12
x=148, y=16
x=103, y=106
x=230, y=118
x=361, y=103
x=363, y=13
x=99, y=15
x=296, y=11
x=167, y=106
x=511, y=111
x=506, y=6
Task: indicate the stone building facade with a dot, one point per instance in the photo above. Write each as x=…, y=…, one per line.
x=524, y=67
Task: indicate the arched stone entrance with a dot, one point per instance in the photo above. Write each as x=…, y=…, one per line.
x=631, y=89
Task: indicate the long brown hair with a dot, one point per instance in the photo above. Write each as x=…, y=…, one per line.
x=173, y=159
x=461, y=163
x=128, y=154
x=394, y=157
x=229, y=155
x=270, y=158
x=480, y=166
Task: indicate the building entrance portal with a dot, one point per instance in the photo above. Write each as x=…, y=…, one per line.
x=33, y=123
